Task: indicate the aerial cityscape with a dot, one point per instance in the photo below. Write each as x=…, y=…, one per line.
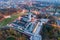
x=29, y=19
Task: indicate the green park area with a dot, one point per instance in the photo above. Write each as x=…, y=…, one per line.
x=9, y=20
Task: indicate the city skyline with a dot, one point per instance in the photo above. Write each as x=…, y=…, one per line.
x=34, y=0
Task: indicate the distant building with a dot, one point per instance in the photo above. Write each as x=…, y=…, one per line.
x=58, y=22
x=56, y=13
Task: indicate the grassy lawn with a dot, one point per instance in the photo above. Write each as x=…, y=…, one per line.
x=9, y=20
x=58, y=38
